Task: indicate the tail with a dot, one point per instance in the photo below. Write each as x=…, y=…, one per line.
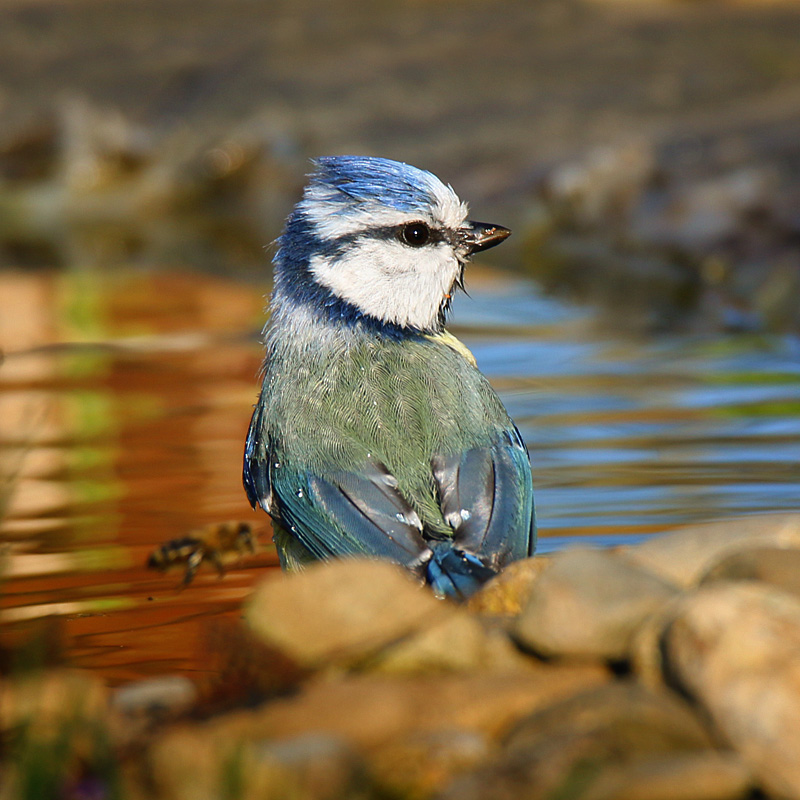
x=456, y=573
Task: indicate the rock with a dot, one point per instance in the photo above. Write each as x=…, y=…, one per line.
x=50, y=699
x=421, y=764
x=778, y=566
x=735, y=648
x=320, y=766
x=563, y=749
x=684, y=555
x=340, y=611
x=155, y=697
x=487, y=703
x=506, y=594
x=588, y=604
x=703, y=775
x=145, y=704
x=647, y=658
x=369, y=711
x=646, y=721
x=187, y=765
x=458, y=643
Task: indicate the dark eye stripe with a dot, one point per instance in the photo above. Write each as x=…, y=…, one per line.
x=435, y=235
x=336, y=248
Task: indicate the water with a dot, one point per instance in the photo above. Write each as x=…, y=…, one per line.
x=631, y=437
x=124, y=402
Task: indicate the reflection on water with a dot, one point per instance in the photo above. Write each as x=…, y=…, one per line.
x=128, y=436
x=633, y=437
x=124, y=402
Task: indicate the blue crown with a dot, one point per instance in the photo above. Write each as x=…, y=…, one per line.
x=376, y=180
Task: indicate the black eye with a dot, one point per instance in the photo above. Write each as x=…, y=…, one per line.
x=415, y=234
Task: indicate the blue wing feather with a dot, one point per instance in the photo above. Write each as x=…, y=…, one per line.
x=486, y=496
x=350, y=514
x=256, y=468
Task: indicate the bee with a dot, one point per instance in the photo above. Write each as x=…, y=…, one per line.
x=211, y=543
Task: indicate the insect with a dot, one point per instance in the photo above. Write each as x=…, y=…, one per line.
x=215, y=543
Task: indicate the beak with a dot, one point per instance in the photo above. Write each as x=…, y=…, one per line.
x=477, y=236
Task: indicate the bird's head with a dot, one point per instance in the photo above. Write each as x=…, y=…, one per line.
x=378, y=241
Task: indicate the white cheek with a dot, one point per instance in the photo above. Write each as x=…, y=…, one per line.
x=391, y=281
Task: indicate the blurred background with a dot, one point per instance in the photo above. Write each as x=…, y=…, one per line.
x=642, y=324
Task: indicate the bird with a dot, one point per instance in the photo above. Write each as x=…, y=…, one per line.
x=375, y=434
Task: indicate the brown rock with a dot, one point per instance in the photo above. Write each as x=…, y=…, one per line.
x=625, y=713
x=735, y=647
x=588, y=604
x=340, y=611
x=778, y=566
x=372, y=709
x=507, y=594
x=318, y=766
x=703, y=775
x=564, y=749
x=369, y=711
x=418, y=766
x=458, y=643
x=684, y=555
x=186, y=764
x=50, y=699
x=647, y=658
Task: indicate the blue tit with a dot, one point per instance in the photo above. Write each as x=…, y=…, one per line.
x=375, y=434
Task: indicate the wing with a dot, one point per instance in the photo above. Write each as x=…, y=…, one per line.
x=345, y=513
x=485, y=495
x=348, y=513
x=256, y=469
x=487, y=498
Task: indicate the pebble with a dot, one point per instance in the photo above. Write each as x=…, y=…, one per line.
x=778, y=566
x=588, y=604
x=371, y=710
x=458, y=643
x=421, y=764
x=686, y=554
x=564, y=748
x=735, y=648
x=340, y=612
x=48, y=699
x=506, y=595
x=665, y=671
x=701, y=775
x=186, y=765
